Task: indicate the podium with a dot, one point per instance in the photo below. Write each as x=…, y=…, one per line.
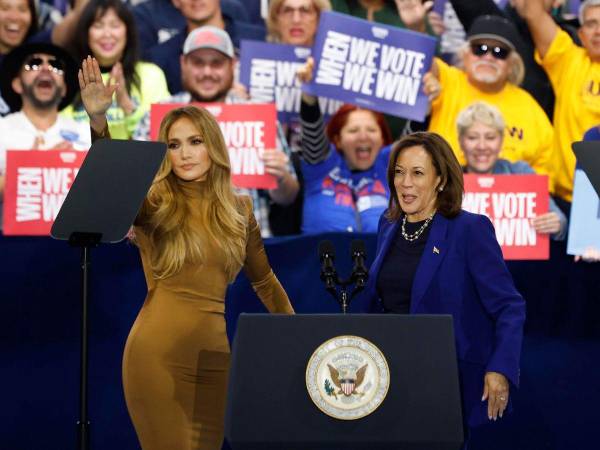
x=269, y=406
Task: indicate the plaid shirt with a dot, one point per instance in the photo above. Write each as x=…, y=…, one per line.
x=260, y=197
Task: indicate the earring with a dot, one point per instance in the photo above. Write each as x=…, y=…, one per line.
x=441, y=188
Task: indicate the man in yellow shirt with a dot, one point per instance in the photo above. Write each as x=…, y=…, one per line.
x=575, y=76
x=491, y=70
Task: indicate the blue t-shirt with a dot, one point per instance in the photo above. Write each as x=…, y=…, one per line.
x=339, y=199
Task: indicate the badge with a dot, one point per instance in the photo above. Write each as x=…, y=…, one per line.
x=347, y=377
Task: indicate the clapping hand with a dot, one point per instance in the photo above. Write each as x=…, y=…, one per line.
x=95, y=95
x=118, y=79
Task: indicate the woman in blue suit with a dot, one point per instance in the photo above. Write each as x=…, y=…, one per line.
x=434, y=258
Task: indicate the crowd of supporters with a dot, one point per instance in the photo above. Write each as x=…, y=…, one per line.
x=522, y=85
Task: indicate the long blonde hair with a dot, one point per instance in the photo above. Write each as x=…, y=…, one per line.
x=165, y=216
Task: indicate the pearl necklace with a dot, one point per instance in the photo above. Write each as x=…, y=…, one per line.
x=414, y=236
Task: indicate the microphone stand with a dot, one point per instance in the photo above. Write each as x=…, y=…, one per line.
x=332, y=279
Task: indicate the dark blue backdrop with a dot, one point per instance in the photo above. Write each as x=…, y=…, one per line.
x=39, y=341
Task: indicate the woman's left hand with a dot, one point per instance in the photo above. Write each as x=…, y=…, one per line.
x=123, y=99
x=495, y=391
x=548, y=223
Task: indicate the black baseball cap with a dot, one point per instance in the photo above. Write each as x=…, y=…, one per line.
x=494, y=27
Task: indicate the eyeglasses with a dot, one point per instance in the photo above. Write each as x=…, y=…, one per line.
x=305, y=12
x=35, y=64
x=496, y=51
x=592, y=24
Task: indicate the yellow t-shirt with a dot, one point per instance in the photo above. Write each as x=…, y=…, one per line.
x=153, y=89
x=528, y=134
x=576, y=82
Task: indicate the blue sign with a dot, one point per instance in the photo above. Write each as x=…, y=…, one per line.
x=584, y=224
x=371, y=65
x=269, y=73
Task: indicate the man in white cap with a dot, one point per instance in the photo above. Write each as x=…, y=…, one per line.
x=491, y=71
x=207, y=72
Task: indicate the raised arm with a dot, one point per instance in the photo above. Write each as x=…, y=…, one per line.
x=468, y=10
x=95, y=96
x=542, y=26
x=313, y=141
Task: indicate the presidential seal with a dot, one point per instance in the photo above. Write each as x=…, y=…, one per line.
x=347, y=377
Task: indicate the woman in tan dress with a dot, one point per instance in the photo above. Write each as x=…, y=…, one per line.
x=194, y=235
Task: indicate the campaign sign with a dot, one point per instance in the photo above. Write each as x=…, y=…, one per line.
x=584, y=224
x=269, y=73
x=371, y=65
x=37, y=183
x=511, y=201
x=248, y=129
x=439, y=6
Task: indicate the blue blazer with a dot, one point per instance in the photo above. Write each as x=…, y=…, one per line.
x=462, y=273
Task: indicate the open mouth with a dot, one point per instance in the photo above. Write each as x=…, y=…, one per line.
x=408, y=198
x=13, y=30
x=44, y=84
x=363, y=153
x=107, y=47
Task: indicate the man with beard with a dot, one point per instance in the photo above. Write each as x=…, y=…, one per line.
x=574, y=72
x=37, y=81
x=491, y=71
x=207, y=66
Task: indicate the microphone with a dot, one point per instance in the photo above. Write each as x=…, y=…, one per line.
x=327, y=257
x=360, y=274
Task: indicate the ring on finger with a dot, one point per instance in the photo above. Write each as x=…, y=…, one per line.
x=503, y=399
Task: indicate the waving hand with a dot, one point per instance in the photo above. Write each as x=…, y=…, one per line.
x=95, y=95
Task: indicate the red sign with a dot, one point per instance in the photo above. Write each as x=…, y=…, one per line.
x=36, y=185
x=511, y=202
x=248, y=129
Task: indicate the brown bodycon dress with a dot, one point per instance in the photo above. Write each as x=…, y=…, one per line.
x=176, y=359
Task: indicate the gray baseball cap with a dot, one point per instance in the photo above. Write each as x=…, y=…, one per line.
x=209, y=37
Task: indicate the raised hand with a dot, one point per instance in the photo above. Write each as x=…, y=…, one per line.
x=95, y=95
x=413, y=13
x=305, y=75
x=528, y=8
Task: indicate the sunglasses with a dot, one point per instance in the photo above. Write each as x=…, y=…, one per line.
x=496, y=51
x=35, y=63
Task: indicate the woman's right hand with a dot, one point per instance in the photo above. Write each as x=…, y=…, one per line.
x=95, y=95
x=305, y=75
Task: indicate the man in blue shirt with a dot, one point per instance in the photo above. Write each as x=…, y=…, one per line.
x=209, y=12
